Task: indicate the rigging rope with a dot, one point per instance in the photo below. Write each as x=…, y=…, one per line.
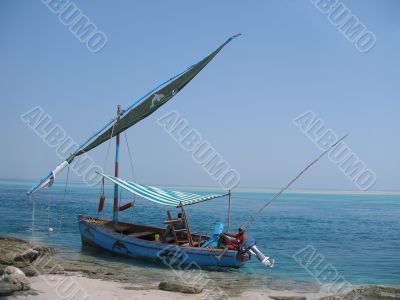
x=33, y=217
x=62, y=202
x=109, y=144
x=49, y=229
x=252, y=218
x=130, y=157
x=132, y=170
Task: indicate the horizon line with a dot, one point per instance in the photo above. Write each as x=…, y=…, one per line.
x=243, y=189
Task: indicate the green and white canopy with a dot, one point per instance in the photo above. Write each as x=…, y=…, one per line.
x=160, y=196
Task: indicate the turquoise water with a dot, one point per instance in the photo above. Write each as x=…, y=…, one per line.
x=358, y=235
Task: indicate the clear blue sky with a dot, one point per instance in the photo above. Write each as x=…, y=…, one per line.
x=290, y=59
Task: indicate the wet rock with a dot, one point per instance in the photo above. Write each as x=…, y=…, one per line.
x=15, y=277
x=179, y=287
x=6, y=289
x=375, y=292
x=369, y=292
x=21, y=264
x=288, y=297
x=45, y=250
x=30, y=271
x=28, y=256
x=5, y=258
x=2, y=267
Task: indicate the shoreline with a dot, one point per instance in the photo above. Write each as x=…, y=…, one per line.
x=50, y=287
x=92, y=278
x=76, y=286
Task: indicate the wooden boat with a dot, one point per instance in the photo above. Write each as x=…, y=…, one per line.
x=137, y=240
x=177, y=245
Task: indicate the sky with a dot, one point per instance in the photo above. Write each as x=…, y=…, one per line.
x=290, y=59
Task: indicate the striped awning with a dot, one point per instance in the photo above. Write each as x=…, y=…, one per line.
x=160, y=196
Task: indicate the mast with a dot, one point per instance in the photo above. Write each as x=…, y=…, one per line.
x=229, y=212
x=116, y=205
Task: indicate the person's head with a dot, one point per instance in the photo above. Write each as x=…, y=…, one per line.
x=179, y=215
x=241, y=230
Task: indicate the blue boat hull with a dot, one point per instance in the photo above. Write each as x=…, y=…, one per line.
x=94, y=234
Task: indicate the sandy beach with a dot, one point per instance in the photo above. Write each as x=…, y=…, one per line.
x=75, y=287
x=50, y=277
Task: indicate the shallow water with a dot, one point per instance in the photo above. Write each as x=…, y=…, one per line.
x=357, y=236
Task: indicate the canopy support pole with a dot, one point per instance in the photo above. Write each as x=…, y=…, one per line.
x=116, y=205
x=229, y=212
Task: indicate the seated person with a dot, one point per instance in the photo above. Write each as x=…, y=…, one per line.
x=233, y=241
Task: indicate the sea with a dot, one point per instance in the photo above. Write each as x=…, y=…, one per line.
x=354, y=236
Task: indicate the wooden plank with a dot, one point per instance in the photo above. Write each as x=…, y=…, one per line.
x=141, y=234
x=173, y=222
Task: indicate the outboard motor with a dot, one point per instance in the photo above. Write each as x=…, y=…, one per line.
x=250, y=247
x=265, y=260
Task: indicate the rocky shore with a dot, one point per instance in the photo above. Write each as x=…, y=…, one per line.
x=26, y=269
x=20, y=259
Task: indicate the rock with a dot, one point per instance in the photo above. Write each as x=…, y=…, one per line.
x=45, y=250
x=2, y=267
x=375, y=292
x=16, y=277
x=288, y=297
x=6, y=289
x=30, y=271
x=179, y=287
x=369, y=292
x=21, y=264
x=5, y=259
x=10, y=270
x=28, y=256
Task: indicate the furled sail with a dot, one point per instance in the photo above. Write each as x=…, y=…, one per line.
x=134, y=114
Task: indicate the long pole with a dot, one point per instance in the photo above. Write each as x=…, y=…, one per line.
x=252, y=218
x=229, y=212
x=116, y=205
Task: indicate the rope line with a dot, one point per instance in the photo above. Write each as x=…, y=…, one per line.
x=133, y=173
x=109, y=144
x=130, y=156
x=33, y=217
x=49, y=212
x=62, y=202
